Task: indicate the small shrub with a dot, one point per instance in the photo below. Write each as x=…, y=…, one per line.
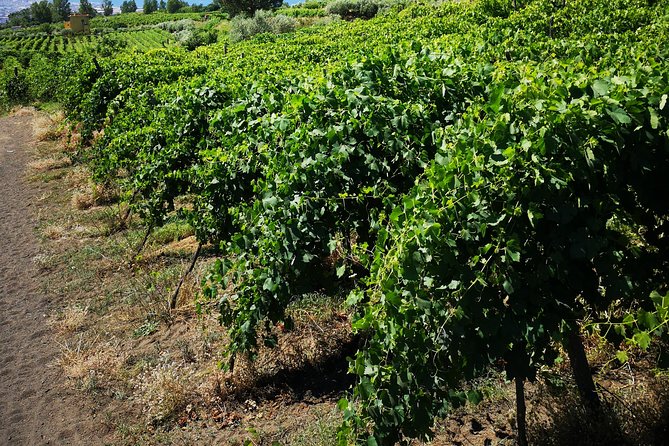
x=242, y=28
x=178, y=25
x=165, y=391
x=282, y=24
x=199, y=37
x=353, y=9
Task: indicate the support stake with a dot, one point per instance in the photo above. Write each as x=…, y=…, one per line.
x=173, y=300
x=521, y=411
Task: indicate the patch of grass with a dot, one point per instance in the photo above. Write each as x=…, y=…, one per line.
x=146, y=329
x=171, y=232
x=51, y=175
x=322, y=431
x=71, y=319
x=50, y=163
x=166, y=390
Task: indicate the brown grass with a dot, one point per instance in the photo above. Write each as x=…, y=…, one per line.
x=54, y=231
x=82, y=358
x=50, y=163
x=179, y=248
x=82, y=200
x=165, y=391
x=71, y=319
x=49, y=127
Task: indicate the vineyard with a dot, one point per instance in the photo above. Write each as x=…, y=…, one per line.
x=57, y=44
x=483, y=180
x=133, y=19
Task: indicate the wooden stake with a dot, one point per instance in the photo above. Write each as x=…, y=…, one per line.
x=173, y=300
x=521, y=411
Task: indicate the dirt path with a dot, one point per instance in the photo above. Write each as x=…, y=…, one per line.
x=36, y=408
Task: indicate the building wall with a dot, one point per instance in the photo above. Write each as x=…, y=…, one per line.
x=79, y=23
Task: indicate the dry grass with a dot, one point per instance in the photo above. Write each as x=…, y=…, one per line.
x=91, y=194
x=105, y=193
x=50, y=163
x=78, y=177
x=179, y=248
x=49, y=127
x=82, y=200
x=165, y=391
x=71, y=319
x=81, y=359
x=54, y=231
x=632, y=415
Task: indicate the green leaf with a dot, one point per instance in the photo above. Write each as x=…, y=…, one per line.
x=508, y=287
x=619, y=115
x=342, y=404
x=621, y=356
x=642, y=339
x=601, y=87
x=341, y=270
x=513, y=255
x=474, y=396
x=654, y=119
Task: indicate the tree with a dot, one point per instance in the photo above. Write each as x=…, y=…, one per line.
x=162, y=6
x=22, y=17
x=175, y=5
x=85, y=7
x=107, y=7
x=150, y=6
x=128, y=6
x=61, y=10
x=41, y=12
x=235, y=7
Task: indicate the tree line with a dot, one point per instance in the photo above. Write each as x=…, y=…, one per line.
x=45, y=11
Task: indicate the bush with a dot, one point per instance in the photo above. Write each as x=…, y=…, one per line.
x=282, y=24
x=353, y=9
x=193, y=38
x=314, y=4
x=178, y=25
x=262, y=22
x=236, y=7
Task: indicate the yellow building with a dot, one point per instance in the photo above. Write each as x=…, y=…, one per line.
x=79, y=23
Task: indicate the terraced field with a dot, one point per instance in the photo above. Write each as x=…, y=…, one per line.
x=44, y=43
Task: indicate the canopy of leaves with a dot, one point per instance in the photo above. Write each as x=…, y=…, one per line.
x=107, y=8
x=85, y=7
x=128, y=6
x=248, y=7
x=61, y=10
x=150, y=6
x=475, y=172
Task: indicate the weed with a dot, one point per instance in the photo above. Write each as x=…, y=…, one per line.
x=146, y=329
x=165, y=391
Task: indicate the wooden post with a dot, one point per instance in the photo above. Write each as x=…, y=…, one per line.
x=173, y=300
x=581, y=370
x=521, y=411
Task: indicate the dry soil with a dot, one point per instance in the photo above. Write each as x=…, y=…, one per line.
x=36, y=406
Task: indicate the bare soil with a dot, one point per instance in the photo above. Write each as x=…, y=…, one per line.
x=36, y=405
